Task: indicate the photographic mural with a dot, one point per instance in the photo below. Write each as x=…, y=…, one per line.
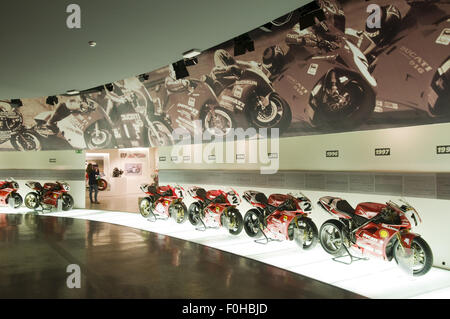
x=338, y=75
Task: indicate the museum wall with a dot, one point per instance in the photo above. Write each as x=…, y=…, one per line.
x=46, y=166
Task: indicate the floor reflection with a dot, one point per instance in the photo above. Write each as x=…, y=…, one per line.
x=122, y=262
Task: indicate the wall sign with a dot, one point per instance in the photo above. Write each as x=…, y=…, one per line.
x=240, y=156
x=52, y=160
x=272, y=155
x=334, y=153
x=386, y=151
x=212, y=157
x=443, y=149
x=174, y=158
x=162, y=158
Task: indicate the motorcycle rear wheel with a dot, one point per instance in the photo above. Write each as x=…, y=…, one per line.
x=194, y=213
x=145, y=207
x=423, y=257
x=32, y=200
x=98, y=138
x=67, y=202
x=252, y=222
x=164, y=131
x=332, y=237
x=18, y=200
x=102, y=184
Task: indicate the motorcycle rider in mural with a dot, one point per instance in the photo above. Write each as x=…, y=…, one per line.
x=174, y=85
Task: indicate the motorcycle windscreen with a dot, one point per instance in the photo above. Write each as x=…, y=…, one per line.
x=405, y=259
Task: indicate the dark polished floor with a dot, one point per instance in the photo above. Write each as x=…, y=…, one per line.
x=122, y=262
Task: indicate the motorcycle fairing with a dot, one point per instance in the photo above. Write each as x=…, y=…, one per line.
x=278, y=224
x=368, y=209
x=4, y=194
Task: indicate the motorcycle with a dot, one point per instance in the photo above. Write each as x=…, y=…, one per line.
x=375, y=229
x=197, y=102
x=8, y=191
x=101, y=182
x=281, y=216
x=163, y=202
x=328, y=84
x=214, y=209
x=48, y=195
x=87, y=128
x=12, y=129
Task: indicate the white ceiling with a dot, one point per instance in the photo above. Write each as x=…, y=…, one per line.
x=40, y=56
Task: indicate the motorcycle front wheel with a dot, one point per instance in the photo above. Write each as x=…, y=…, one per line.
x=32, y=200
x=164, y=131
x=220, y=123
x=310, y=233
x=332, y=237
x=18, y=200
x=178, y=211
x=277, y=114
x=236, y=222
x=67, y=202
x=252, y=222
x=145, y=207
x=194, y=213
x=422, y=256
x=97, y=137
x=26, y=141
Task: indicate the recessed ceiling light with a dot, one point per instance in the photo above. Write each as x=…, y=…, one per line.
x=191, y=53
x=72, y=92
x=92, y=43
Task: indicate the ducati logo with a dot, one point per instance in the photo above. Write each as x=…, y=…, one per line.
x=217, y=209
x=285, y=217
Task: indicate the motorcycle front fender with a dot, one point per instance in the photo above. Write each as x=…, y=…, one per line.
x=406, y=238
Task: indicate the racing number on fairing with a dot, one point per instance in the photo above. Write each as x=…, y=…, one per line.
x=179, y=192
x=306, y=206
x=233, y=199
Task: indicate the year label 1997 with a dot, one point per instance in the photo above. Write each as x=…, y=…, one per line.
x=443, y=149
x=382, y=151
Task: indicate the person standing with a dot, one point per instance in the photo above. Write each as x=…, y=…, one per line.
x=93, y=175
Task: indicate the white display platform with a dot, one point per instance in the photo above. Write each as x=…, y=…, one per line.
x=372, y=278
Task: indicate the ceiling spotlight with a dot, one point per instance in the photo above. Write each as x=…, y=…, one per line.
x=242, y=44
x=191, y=53
x=309, y=13
x=16, y=103
x=92, y=43
x=143, y=77
x=72, y=92
x=52, y=100
x=180, y=69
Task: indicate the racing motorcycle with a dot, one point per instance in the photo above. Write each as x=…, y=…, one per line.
x=163, y=202
x=12, y=129
x=282, y=217
x=196, y=102
x=328, y=84
x=375, y=229
x=48, y=195
x=214, y=209
x=88, y=128
x=8, y=191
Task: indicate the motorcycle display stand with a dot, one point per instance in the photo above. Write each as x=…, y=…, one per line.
x=154, y=218
x=265, y=240
x=348, y=254
x=204, y=227
x=11, y=202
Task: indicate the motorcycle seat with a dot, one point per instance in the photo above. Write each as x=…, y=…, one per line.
x=345, y=208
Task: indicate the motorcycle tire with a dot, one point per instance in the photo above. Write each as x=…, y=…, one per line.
x=26, y=141
x=281, y=121
x=224, y=114
x=164, y=131
x=178, y=209
x=194, y=213
x=351, y=116
x=18, y=200
x=252, y=222
x=32, y=200
x=67, y=202
x=238, y=221
x=102, y=184
x=418, y=243
x=145, y=207
x=310, y=230
x=337, y=228
x=101, y=139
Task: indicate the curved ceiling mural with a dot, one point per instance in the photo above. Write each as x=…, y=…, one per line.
x=344, y=72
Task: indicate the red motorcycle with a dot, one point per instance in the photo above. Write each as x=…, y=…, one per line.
x=48, y=195
x=380, y=230
x=214, y=209
x=282, y=217
x=8, y=191
x=163, y=202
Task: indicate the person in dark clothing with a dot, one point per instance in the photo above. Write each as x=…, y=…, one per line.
x=93, y=175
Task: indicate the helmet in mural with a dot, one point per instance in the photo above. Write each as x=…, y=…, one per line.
x=223, y=58
x=389, y=25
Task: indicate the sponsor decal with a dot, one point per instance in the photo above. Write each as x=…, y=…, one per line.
x=417, y=62
x=313, y=68
x=383, y=233
x=285, y=218
x=217, y=209
x=388, y=227
x=191, y=101
x=237, y=92
x=444, y=37
x=246, y=82
x=370, y=238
